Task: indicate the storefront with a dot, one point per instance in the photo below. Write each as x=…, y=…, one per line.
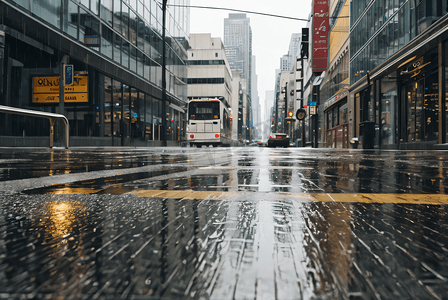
x=336, y=121
x=403, y=97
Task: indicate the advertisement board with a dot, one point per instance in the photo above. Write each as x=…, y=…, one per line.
x=46, y=90
x=320, y=35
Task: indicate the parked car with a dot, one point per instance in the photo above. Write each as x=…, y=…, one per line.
x=278, y=140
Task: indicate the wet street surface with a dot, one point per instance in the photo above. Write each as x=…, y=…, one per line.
x=223, y=223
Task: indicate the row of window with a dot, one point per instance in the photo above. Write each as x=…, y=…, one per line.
x=205, y=80
x=205, y=62
x=391, y=24
x=121, y=35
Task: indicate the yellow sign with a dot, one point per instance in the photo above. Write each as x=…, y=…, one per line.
x=46, y=90
x=54, y=98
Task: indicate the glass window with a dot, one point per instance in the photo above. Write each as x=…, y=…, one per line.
x=203, y=110
x=71, y=23
x=107, y=106
x=89, y=30
x=117, y=48
x=117, y=108
x=86, y=3
x=140, y=57
x=430, y=108
x=106, y=41
x=149, y=119
x=133, y=58
x=125, y=54
x=141, y=34
x=343, y=113
x=335, y=116
x=133, y=22
x=389, y=97
x=125, y=20
x=106, y=11
x=94, y=6
x=24, y=3
x=146, y=68
x=329, y=119
x=117, y=15
x=49, y=11
x=156, y=118
x=140, y=108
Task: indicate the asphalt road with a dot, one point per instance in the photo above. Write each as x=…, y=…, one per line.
x=223, y=223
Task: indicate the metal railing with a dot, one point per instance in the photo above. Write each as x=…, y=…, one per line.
x=35, y=113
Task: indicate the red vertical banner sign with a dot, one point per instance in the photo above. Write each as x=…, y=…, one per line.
x=320, y=35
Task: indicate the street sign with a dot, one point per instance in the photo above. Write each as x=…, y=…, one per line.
x=46, y=90
x=68, y=75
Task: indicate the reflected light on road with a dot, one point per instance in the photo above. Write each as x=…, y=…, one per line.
x=62, y=215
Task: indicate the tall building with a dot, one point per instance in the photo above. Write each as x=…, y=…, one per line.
x=255, y=99
x=238, y=45
x=398, y=63
x=288, y=61
x=116, y=50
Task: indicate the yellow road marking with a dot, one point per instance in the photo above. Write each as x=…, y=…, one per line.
x=189, y=194
x=430, y=199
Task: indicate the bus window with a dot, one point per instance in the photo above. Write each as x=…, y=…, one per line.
x=204, y=110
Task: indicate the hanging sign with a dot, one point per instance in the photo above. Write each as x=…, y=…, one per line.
x=320, y=35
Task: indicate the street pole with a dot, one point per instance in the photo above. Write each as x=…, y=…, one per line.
x=164, y=96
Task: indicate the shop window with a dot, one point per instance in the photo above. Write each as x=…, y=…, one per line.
x=343, y=113
x=108, y=88
x=117, y=106
x=389, y=98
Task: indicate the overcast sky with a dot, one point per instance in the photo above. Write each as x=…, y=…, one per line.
x=270, y=35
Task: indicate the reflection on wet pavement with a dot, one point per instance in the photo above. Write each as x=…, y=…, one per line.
x=125, y=247
x=234, y=224
x=243, y=169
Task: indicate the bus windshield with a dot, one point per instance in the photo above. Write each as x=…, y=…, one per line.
x=203, y=110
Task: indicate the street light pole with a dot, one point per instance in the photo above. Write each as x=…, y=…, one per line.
x=164, y=96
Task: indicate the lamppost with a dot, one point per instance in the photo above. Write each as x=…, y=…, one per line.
x=164, y=96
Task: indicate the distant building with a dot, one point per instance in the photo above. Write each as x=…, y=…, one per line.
x=209, y=74
x=238, y=45
x=287, y=61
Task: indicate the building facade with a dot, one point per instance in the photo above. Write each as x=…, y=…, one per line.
x=398, y=73
x=116, y=50
x=334, y=88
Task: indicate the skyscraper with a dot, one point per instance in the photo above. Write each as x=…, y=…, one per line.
x=238, y=45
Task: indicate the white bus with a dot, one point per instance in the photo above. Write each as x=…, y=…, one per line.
x=209, y=122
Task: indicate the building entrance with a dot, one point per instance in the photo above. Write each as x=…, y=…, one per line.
x=421, y=105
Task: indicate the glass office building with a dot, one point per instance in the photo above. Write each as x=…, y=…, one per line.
x=398, y=73
x=115, y=48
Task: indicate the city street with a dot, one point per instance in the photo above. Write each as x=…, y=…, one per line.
x=223, y=223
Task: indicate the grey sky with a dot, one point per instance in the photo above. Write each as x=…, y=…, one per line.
x=270, y=36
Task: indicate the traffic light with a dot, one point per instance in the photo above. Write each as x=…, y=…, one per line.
x=68, y=75
x=290, y=114
x=305, y=42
